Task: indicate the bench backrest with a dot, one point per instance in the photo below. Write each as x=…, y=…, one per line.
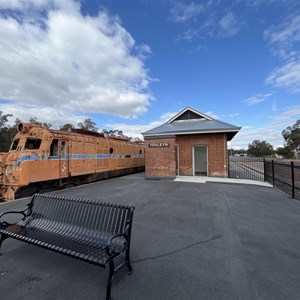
x=51, y=211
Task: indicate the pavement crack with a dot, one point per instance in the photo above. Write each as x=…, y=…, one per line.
x=213, y=238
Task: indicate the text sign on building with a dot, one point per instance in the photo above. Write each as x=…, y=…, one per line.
x=156, y=145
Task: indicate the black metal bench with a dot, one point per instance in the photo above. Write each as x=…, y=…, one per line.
x=92, y=231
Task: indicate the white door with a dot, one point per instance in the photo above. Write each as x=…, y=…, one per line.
x=200, y=160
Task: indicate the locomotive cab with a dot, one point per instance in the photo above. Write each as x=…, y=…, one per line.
x=29, y=143
x=24, y=141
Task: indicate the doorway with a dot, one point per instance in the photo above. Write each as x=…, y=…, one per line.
x=63, y=159
x=200, y=160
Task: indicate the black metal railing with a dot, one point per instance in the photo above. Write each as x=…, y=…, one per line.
x=284, y=175
x=246, y=167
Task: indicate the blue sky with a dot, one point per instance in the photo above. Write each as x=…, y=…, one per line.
x=132, y=64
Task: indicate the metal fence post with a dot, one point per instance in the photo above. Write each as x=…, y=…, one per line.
x=265, y=168
x=293, y=179
x=273, y=174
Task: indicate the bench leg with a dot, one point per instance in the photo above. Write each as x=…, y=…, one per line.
x=110, y=278
x=130, y=270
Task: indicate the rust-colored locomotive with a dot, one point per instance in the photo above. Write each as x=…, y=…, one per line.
x=41, y=157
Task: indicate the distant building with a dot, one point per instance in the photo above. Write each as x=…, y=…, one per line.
x=191, y=143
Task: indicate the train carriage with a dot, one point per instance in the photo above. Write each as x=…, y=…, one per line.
x=40, y=157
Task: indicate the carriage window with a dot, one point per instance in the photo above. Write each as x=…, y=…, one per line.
x=32, y=143
x=54, y=148
x=15, y=144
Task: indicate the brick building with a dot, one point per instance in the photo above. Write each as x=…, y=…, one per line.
x=191, y=143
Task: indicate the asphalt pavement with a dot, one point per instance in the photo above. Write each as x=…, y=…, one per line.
x=190, y=240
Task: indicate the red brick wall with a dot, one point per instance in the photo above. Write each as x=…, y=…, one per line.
x=217, y=153
x=160, y=161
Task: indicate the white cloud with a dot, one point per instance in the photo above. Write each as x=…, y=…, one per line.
x=189, y=34
x=258, y=3
x=271, y=132
x=211, y=114
x=69, y=61
x=21, y=4
x=132, y=130
x=167, y=116
x=246, y=136
x=32, y=6
x=205, y=20
x=182, y=12
x=287, y=77
x=286, y=32
x=258, y=98
x=229, y=25
x=52, y=115
x=231, y=115
x=288, y=117
x=136, y=130
x=284, y=36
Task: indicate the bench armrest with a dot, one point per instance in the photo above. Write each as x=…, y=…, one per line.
x=126, y=242
x=25, y=213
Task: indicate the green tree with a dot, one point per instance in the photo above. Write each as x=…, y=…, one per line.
x=109, y=132
x=119, y=133
x=17, y=121
x=114, y=132
x=88, y=124
x=291, y=136
x=67, y=127
x=4, y=118
x=236, y=151
x=36, y=122
x=285, y=152
x=6, y=132
x=260, y=149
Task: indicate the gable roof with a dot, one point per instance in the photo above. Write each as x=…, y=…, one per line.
x=190, y=121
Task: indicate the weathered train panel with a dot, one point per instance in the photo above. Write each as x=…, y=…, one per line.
x=40, y=155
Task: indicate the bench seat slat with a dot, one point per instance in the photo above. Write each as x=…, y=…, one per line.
x=62, y=244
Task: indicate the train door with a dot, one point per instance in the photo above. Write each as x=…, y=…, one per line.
x=63, y=159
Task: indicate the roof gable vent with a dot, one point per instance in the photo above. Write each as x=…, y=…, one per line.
x=189, y=115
